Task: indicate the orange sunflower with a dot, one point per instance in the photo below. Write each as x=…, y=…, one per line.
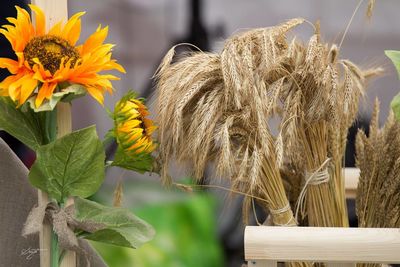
x=46, y=61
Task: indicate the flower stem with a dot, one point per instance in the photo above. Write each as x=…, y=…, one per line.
x=51, y=129
x=54, y=253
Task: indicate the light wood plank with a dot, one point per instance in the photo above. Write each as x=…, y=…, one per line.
x=333, y=264
x=55, y=11
x=64, y=121
x=262, y=263
x=44, y=235
x=322, y=244
x=69, y=259
x=351, y=181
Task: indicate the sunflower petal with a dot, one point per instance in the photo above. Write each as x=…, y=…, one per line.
x=9, y=64
x=45, y=91
x=72, y=29
x=105, y=83
x=24, y=27
x=5, y=84
x=97, y=94
x=11, y=38
x=14, y=93
x=95, y=40
x=150, y=130
x=41, y=74
x=27, y=89
x=40, y=20
x=52, y=87
x=56, y=29
x=114, y=65
x=14, y=88
x=136, y=133
x=75, y=33
x=12, y=20
x=3, y=92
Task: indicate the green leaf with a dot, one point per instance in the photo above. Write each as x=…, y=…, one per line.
x=395, y=105
x=66, y=95
x=70, y=166
x=395, y=57
x=30, y=128
x=122, y=228
x=141, y=163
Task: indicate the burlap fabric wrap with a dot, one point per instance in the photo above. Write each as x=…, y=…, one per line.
x=17, y=198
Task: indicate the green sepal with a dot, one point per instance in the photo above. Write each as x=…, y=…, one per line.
x=122, y=228
x=109, y=112
x=66, y=94
x=70, y=166
x=32, y=129
x=141, y=162
x=129, y=95
x=395, y=57
x=109, y=138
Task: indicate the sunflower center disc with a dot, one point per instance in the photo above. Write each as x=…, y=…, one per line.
x=50, y=50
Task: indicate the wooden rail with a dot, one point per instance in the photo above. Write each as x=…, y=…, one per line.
x=266, y=245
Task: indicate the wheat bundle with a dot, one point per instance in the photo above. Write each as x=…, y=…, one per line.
x=378, y=192
x=309, y=127
x=216, y=108
x=378, y=157
x=326, y=93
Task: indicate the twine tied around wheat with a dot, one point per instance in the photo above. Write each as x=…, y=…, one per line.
x=282, y=211
x=319, y=176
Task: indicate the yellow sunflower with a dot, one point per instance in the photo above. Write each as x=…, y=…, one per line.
x=133, y=129
x=45, y=59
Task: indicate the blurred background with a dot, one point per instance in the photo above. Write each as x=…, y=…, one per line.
x=205, y=228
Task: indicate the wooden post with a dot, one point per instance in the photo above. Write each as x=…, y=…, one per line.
x=55, y=11
x=64, y=125
x=44, y=235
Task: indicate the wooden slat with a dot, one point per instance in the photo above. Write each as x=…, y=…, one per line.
x=322, y=244
x=262, y=263
x=330, y=264
x=351, y=181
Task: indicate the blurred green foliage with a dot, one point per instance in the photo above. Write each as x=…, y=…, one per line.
x=395, y=104
x=185, y=227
